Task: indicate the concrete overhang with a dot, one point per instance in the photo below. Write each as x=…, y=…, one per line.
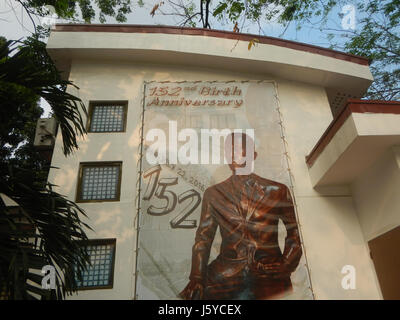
x=343, y=75
x=355, y=139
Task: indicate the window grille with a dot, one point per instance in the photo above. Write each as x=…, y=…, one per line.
x=100, y=273
x=99, y=182
x=107, y=117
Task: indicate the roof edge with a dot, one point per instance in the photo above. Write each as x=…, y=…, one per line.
x=352, y=106
x=130, y=28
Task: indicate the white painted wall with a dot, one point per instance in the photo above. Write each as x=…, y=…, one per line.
x=330, y=227
x=156, y=45
x=331, y=232
x=357, y=145
x=376, y=195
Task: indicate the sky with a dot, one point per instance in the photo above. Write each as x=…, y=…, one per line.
x=15, y=24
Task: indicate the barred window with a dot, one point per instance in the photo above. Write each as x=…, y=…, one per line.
x=99, y=181
x=107, y=117
x=100, y=274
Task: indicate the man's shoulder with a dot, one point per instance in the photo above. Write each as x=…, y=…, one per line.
x=280, y=188
x=267, y=182
x=217, y=186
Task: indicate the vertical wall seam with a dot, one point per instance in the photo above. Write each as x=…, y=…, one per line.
x=291, y=179
x=136, y=225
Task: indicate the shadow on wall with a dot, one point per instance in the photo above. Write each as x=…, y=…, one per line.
x=337, y=241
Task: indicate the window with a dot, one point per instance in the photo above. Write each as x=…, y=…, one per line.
x=107, y=116
x=99, y=181
x=100, y=274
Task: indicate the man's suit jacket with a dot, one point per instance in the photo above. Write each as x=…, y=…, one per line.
x=247, y=210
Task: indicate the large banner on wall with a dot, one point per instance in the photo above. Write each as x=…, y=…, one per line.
x=217, y=217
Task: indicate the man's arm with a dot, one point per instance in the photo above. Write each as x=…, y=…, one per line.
x=201, y=251
x=292, y=252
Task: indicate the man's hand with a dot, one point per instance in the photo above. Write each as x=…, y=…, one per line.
x=193, y=291
x=275, y=269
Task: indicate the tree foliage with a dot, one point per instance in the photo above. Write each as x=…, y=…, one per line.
x=26, y=73
x=45, y=229
x=40, y=227
x=376, y=34
x=377, y=37
x=74, y=9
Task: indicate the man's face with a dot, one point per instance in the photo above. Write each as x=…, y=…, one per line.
x=240, y=153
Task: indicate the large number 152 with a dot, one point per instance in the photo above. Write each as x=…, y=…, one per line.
x=158, y=188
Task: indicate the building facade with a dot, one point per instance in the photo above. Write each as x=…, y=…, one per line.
x=339, y=158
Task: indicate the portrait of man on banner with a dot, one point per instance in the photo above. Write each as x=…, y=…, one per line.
x=246, y=208
x=217, y=214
